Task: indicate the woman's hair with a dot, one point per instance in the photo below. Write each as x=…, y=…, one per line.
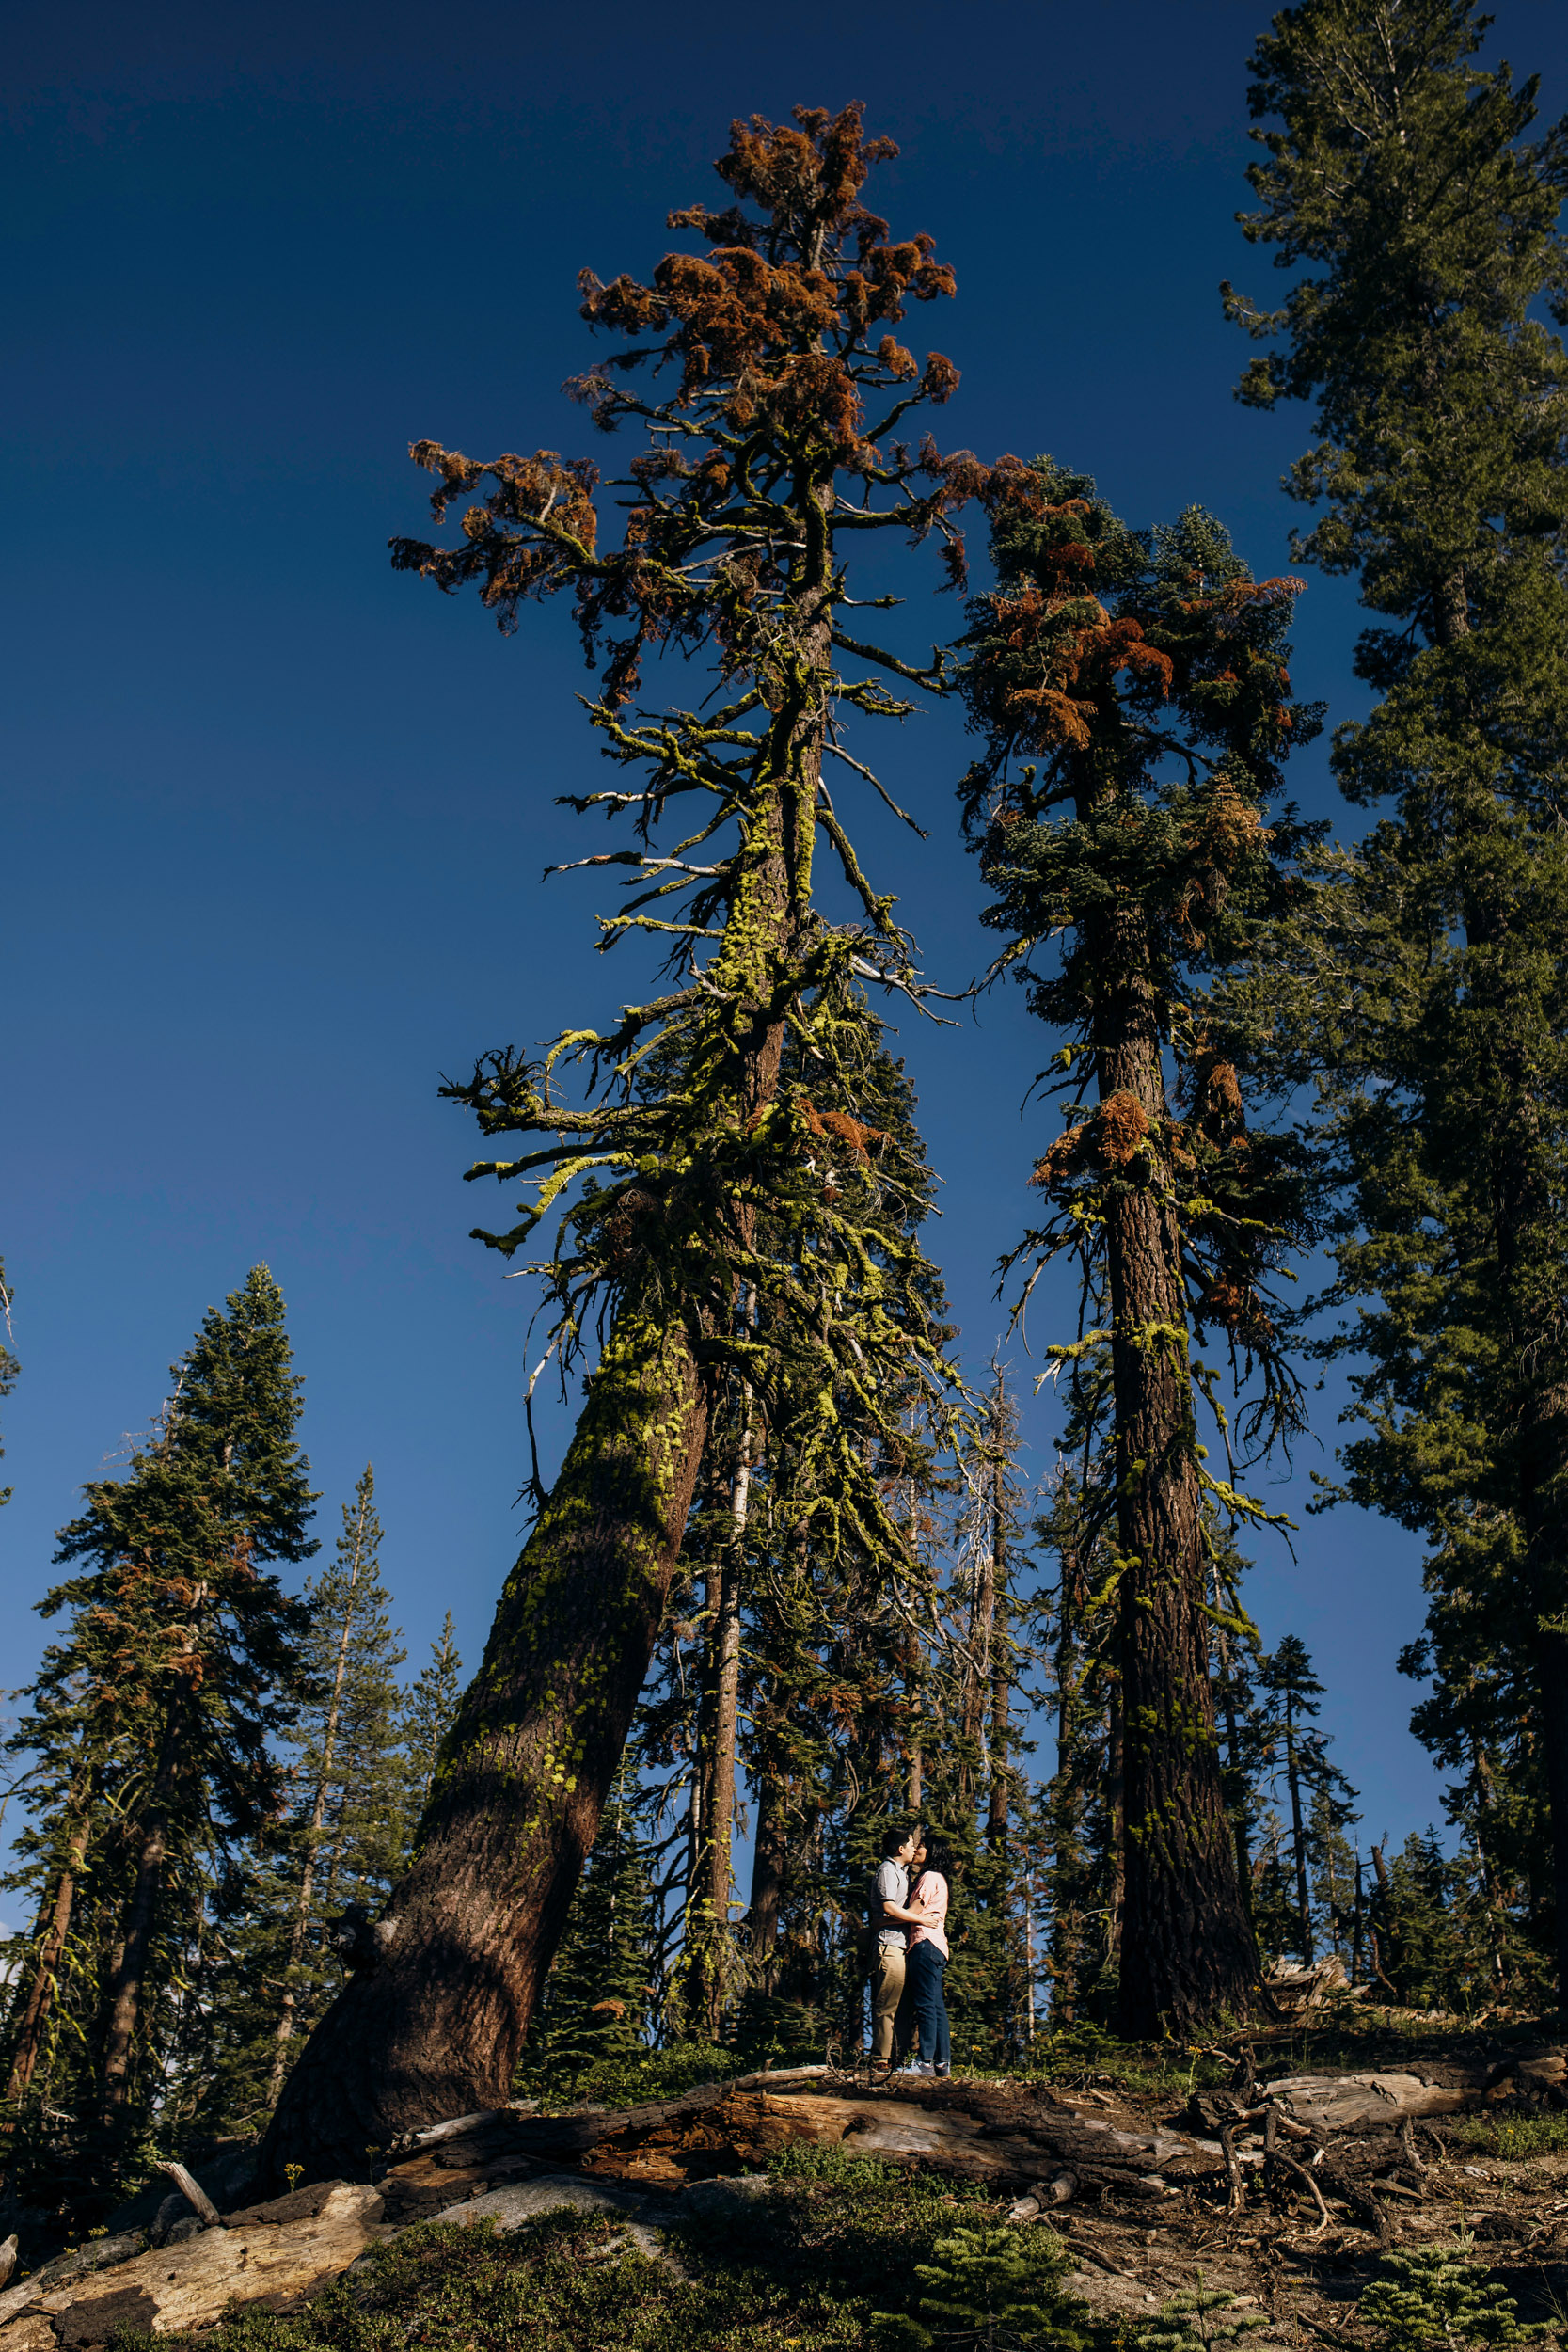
x=939, y=1856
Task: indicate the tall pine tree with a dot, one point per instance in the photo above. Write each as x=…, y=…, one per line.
x=156, y=1715
x=1423, y=224
x=1132, y=694
x=774, y=392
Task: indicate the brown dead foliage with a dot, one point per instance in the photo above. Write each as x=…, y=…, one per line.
x=843, y=1129
x=1117, y=1129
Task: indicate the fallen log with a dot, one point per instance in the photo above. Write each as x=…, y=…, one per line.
x=1005, y=2136
x=1356, y=2102
x=276, y=2250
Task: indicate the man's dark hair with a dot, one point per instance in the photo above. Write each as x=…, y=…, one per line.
x=894, y=1836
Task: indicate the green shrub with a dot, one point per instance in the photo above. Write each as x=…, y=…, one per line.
x=1432, y=2297
x=994, y=2289
x=1195, y=2320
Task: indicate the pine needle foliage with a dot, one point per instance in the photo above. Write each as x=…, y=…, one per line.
x=1196, y=2320
x=156, y=1718
x=597, y=1995
x=1400, y=180
x=994, y=2289
x=429, y=1713
x=1433, y=2297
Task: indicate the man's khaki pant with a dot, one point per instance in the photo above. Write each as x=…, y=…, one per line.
x=887, y=1989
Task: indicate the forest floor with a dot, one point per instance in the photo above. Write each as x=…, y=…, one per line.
x=822, y=2248
x=1497, y=2177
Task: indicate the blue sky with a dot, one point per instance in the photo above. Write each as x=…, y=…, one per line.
x=277, y=817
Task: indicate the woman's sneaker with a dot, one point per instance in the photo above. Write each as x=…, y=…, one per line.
x=941, y=2072
x=920, y=2067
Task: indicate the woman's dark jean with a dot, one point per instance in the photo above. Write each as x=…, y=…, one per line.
x=930, y=2011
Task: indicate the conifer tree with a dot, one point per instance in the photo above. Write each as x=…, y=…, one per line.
x=349, y=1812
x=1132, y=694
x=429, y=1715
x=1286, y=1679
x=770, y=450
x=596, y=2002
x=1424, y=225
x=156, y=1714
x=1281, y=1750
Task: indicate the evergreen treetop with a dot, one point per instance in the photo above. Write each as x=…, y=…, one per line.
x=1428, y=226
x=429, y=1713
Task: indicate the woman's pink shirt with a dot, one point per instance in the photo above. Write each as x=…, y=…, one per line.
x=929, y=1894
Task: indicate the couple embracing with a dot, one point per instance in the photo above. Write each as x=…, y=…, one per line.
x=908, y=1916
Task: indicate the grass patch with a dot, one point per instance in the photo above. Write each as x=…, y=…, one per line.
x=1515, y=2136
x=839, y=2241
x=629, y=2082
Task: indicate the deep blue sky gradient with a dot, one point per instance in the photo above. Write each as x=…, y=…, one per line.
x=277, y=817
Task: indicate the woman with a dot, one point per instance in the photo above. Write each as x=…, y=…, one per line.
x=927, y=1957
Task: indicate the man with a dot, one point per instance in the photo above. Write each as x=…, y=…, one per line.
x=891, y=1919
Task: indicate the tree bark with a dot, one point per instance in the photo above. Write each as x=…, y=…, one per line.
x=435, y=2027
x=769, y=1856
x=1064, y=1902
x=1116, y=1822
x=1187, y=1950
x=719, y=1827
x=41, y=1993
x=123, y=2002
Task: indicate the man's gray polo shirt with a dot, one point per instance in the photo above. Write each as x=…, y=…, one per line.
x=892, y=1886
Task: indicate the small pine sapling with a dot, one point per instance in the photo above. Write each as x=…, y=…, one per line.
x=1432, y=2295
x=996, y=2289
x=1196, y=2320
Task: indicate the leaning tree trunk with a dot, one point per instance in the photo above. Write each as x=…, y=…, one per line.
x=431, y=2023
x=1187, y=1950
